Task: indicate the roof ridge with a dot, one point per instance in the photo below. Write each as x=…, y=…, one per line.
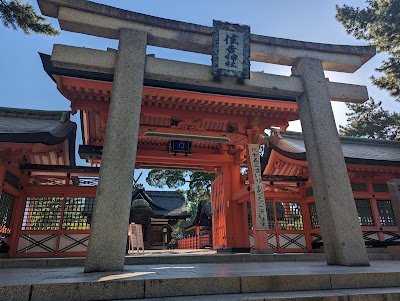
x=164, y=191
x=370, y=141
x=62, y=116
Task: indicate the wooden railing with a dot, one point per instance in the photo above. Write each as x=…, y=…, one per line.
x=195, y=242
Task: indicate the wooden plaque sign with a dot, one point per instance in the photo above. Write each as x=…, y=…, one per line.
x=261, y=212
x=231, y=50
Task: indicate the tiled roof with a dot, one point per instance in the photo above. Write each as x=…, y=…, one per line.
x=163, y=203
x=355, y=150
x=203, y=215
x=37, y=126
x=34, y=126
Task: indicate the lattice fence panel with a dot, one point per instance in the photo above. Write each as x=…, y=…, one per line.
x=6, y=208
x=289, y=216
x=37, y=243
x=73, y=243
x=313, y=215
x=42, y=213
x=292, y=241
x=365, y=213
x=386, y=213
x=77, y=213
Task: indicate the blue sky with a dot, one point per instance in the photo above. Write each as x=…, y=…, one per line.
x=25, y=84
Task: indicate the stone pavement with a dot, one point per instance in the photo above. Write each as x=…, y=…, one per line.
x=173, y=280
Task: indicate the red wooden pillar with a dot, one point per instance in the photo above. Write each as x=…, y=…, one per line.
x=218, y=217
x=197, y=237
x=374, y=209
x=227, y=187
x=18, y=215
x=18, y=212
x=2, y=174
x=305, y=212
x=377, y=219
x=240, y=241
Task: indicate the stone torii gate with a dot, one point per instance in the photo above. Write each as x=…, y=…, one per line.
x=343, y=241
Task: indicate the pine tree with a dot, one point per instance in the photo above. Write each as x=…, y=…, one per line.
x=369, y=120
x=15, y=14
x=379, y=24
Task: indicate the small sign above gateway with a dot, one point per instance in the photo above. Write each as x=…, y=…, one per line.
x=231, y=50
x=180, y=147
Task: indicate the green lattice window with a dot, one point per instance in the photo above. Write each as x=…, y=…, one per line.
x=6, y=208
x=77, y=213
x=11, y=179
x=42, y=213
x=386, y=213
x=313, y=215
x=365, y=213
x=380, y=187
x=270, y=215
x=359, y=187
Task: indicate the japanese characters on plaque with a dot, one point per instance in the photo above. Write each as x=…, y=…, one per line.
x=231, y=50
x=261, y=212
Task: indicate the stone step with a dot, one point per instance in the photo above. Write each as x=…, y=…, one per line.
x=377, y=251
x=385, y=294
x=174, y=259
x=369, y=251
x=380, y=256
x=127, y=285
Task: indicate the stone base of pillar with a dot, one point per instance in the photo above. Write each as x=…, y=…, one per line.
x=261, y=245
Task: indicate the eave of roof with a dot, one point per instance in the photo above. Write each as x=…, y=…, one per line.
x=283, y=143
x=63, y=168
x=63, y=129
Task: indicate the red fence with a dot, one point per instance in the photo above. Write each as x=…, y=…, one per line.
x=195, y=242
x=52, y=221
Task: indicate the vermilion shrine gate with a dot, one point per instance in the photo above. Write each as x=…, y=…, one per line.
x=134, y=106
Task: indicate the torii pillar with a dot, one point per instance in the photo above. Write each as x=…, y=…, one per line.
x=337, y=213
x=108, y=233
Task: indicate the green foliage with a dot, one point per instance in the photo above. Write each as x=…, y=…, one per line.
x=199, y=182
x=170, y=178
x=15, y=14
x=379, y=24
x=177, y=229
x=369, y=120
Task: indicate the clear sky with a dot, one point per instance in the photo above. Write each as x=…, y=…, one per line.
x=25, y=84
